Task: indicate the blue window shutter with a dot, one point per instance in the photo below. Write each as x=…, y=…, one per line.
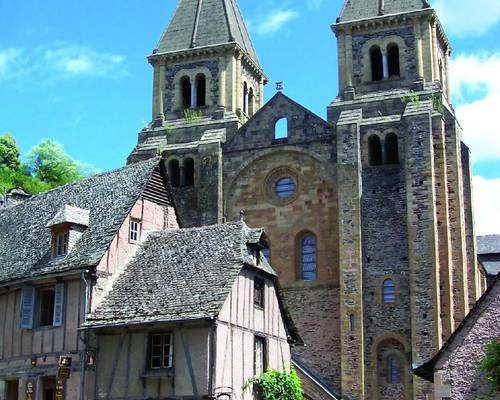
x=59, y=305
x=27, y=307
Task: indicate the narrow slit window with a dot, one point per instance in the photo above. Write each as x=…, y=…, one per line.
x=259, y=356
x=377, y=66
x=391, y=149
x=251, y=105
x=393, y=60
x=201, y=90
x=185, y=92
x=308, y=258
x=174, y=173
x=389, y=291
x=245, y=97
x=258, y=292
x=393, y=371
x=374, y=150
x=281, y=129
x=189, y=171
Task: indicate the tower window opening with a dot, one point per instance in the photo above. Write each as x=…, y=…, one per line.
x=174, y=172
x=308, y=260
x=374, y=150
x=201, y=90
x=377, y=64
x=352, y=323
x=393, y=60
x=391, y=149
x=393, y=371
x=389, y=291
x=245, y=97
x=189, y=171
x=185, y=92
x=281, y=129
x=251, y=105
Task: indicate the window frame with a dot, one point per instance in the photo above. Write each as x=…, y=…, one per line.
x=60, y=244
x=45, y=321
x=301, y=239
x=391, y=297
x=259, y=293
x=393, y=373
x=136, y=232
x=151, y=354
x=290, y=183
x=260, y=340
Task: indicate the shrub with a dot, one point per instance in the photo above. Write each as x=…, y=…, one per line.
x=491, y=364
x=277, y=385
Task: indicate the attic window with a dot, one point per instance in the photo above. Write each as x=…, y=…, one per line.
x=258, y=293
x=61, y=241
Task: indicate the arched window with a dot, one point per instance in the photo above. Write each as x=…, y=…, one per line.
x=393, y=60
x=189, y=172
x=281, y=129
x=174, y=173
x=308, y=261
x=389, y=291
x=185, y=92
x=376, y=63
x=393, y=370
x=245, y=97
x=201, y=90
x=251, y=106
x=374, y=150
x=391, y=149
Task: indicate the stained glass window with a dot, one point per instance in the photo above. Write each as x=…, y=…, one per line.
x=389, y=291
x=285, y=188
x=308, y=258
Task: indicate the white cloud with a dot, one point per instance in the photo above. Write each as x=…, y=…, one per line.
x=273, y=21
x=475, y=76
x=315, y=4
x=73, y=60
x=60, y=61
x=486, y=205
x=466, y=18
x=8, y=58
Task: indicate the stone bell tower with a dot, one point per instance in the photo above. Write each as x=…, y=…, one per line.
x=407, y=253
x=207, y=82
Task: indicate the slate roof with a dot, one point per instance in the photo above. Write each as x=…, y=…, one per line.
x=361, y=9
x=198, y=23
x=489, y=244
x=426, y=370
x=25, y=240
x=181, y=275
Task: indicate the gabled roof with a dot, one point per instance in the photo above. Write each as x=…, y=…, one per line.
x=202, y=23
x=181, y=275
x=25, y=240
x=489, y=244
x=354, y=10
x=426, y=370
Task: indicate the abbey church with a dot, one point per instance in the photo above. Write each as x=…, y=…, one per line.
x=368, y=213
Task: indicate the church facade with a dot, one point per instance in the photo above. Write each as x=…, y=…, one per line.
x=368, y=213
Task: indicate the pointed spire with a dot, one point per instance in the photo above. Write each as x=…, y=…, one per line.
x=362, y=9
x=202, y=23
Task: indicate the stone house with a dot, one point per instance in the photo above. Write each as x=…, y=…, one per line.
x=455, y=369
x=100, y=299
x=368, y=213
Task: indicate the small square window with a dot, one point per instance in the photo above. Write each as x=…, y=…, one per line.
x=135, y=227
x=162, y=351
x=61, y=244
x=258, y=292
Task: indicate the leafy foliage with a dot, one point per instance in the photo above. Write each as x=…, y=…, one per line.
x=10, y=179
x=9, y=153
x=491, y=364
x=277, y=385
x=48, y=162
x=191, y=115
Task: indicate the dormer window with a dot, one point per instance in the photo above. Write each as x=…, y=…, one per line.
x=61, y=243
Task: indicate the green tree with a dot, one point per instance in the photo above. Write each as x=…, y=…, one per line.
x=9, y=152
x=491, y=364
x=277, y=385
x=49, y=163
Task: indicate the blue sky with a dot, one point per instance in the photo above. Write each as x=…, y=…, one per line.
x=76, y=72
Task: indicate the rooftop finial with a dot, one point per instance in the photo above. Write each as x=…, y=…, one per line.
x=242, y=215
x=280, y=87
